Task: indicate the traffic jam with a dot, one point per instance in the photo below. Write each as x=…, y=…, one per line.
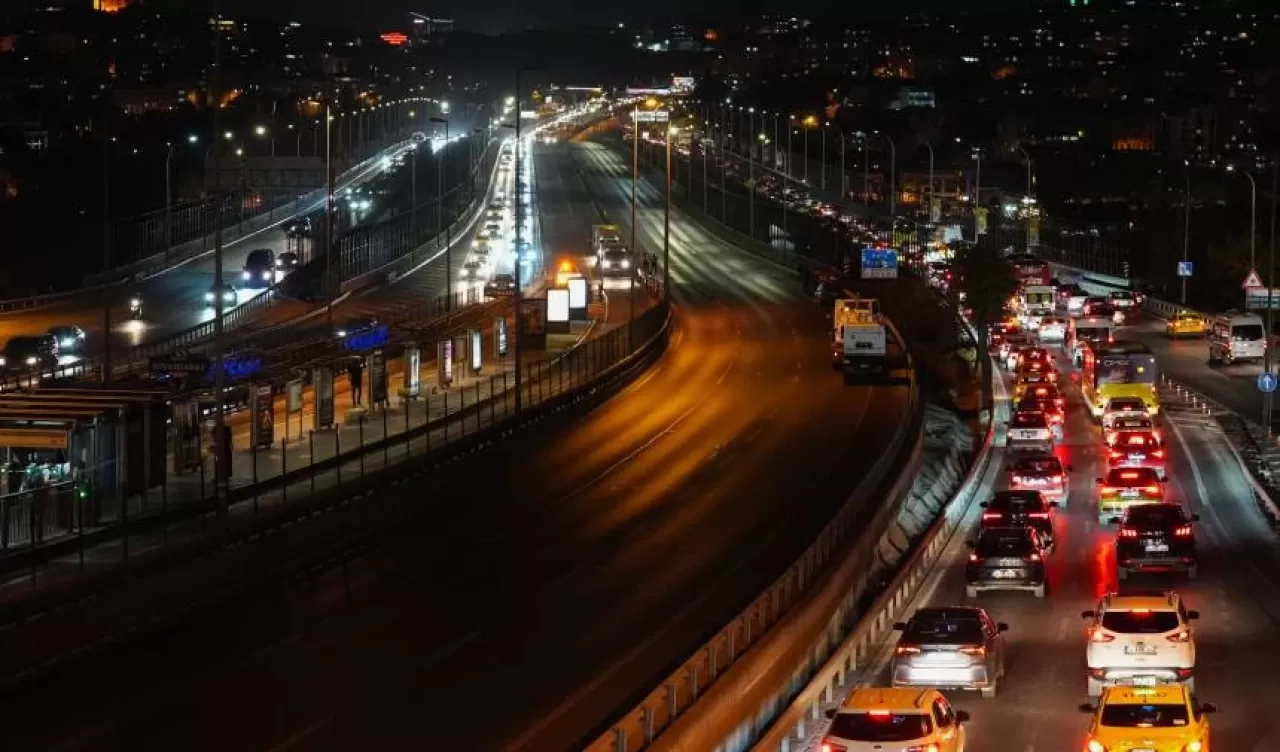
x=1063, y=351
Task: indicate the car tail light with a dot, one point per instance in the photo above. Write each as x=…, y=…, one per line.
x=994, y=515
x=829, y=747
x=1185, y=673
x=978, y=651
x=1116, y=454
x=1097, y=635
x=1179, y=636
x=1152, y=490
x=1128, y=532
x=1183, y=531
x=1035, y=557
x=923, y=748
x=1093, y=746
x=974, y=557
x=905, y=650
x=1060, y=402
x=1039, y=515
x=1129, y=475
x=1107, y=490
x=1158, y=454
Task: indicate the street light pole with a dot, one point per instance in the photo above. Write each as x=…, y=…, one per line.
x=932, y=185
x=977, y=195
x=635, y=249
x=1027, y=157
x=844, y=175
x=1186, y=231
x=168, y=197
x=806, y=151
x=666, y=225
x=824, y=155
x=1271, y=284
x=441, y=161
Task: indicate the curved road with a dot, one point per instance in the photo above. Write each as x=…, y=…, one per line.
x=1237, y=593
x=551, y=576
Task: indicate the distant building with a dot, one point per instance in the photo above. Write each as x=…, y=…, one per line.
x=111, y=6
x=1193, y=135
x=913, y=97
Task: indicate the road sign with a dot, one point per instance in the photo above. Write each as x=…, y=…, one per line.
x=1252, y=280
x=1260, y=298
x=652, y=116
x=179, y=366
x=1184, y=268
x=1267, y=382
x=879, y=263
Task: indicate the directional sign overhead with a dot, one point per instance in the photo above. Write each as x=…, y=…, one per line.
x=1252, y=280
x=652, y=116
x=879, y=263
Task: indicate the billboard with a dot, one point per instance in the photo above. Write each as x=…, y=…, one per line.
x=557, y=306
x=412, y=368
x=378, y=378
x=322, y=380
x=476, y=350
x=264, y=415
x=879, y=263
x=577, y=293
x=500, y=336
x=444, y=362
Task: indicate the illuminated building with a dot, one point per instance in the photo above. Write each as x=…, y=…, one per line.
x=110, y=6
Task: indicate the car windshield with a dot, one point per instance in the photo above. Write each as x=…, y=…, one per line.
x=1140, y=621
x=1155, y=515
x=1131, y=423
x=259, y=257
x=1029, y=420
x=1135, y=440
x=880, y=727
x=1038, y=466
x=938, y=629
x=1126, y=405
x=1132, y=476
x=1092, y=333
x=1247, y=332
x=24, y=345
x=1144, y=716
x=1004, y=544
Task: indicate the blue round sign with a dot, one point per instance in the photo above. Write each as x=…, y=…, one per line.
x=1267, y=382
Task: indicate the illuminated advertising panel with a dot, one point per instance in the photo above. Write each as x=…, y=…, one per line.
x=557, y=306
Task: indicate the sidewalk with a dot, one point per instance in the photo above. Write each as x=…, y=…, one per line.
x=290, y=475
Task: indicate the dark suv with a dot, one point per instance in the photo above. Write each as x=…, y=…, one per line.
x=950, y=647
x=1021, y=509
x=1006, y=558
x=1155, y=538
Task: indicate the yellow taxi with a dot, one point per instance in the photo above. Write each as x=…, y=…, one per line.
x=564, y=272
x=901, y=718
x=1163, y=718
x=1186, y=324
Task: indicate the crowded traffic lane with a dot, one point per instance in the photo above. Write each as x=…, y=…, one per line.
x=1237, y=593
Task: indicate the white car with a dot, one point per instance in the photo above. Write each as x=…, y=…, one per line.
x=1140, y=640
x=1053, y=330
x=1123, y=407
x=1030, y=430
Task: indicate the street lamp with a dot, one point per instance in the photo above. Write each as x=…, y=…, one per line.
x=893, y=176
x=666, y=223
x=261, y=131
x=1030, y=197
x=1186, y=228
x=228, y=135
x=1253, y=216
x=441, y=161
x=444, y=107
x=809, y=122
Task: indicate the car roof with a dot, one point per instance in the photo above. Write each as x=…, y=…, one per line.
x=898, y=700
x=948, y=612
x=1007, y=531
x=1163, y=694
x=1131, y=602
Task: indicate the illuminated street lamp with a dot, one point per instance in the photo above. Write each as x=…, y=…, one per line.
x=444, y=107
x=809, y=122
x=261, y=131
x=228, y=135
x=193, y=138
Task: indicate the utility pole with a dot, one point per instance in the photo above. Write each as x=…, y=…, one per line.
x=106, y=228
x=1271, y=284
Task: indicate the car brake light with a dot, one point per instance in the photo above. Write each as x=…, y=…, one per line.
x=1183, y=531
x=1107, y=490
x=1035, y=557
x=829, y=747
x=1098, y=635
x=992, y=515
x=1116, y=454
x=1158, y=454
x=878, y=713
x=1128, y=532
x=974, y=557
x=905, y=650
x=1153, y=489
x=979, y=651
x=1129, y=476
x=1180, y=636
x=1094, y=746
x=1039, y=515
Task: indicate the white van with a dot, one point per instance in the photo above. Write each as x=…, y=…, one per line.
x=1235, y=336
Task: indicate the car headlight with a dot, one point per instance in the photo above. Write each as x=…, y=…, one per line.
x=135, y=303
x=342, y=333
x=67, y=342
x=2, y=362
x=245, y=274
x=32, y=360
x=626, y=264
x=208, y=296
x=267, y=276
x=608, y=264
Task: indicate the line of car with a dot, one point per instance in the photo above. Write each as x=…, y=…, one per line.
x=1140, y=651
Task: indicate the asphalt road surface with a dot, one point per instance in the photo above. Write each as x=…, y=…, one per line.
x=551, y=576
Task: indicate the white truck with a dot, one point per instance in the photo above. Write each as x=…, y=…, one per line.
x=859, y=340
x=604, y=235
x=1037, y=302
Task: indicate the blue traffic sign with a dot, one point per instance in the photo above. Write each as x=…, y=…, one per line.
x=1184, y=268
x=1267, y=382
x=879, y=263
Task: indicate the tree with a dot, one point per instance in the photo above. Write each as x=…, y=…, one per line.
x=987, y=280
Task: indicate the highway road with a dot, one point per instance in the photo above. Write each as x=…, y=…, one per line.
x=1237, y=593
x=551, y=576
x=173, y=301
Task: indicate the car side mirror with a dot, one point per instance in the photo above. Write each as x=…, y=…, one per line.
x=1113, y=520
x=983, y=505
x=1002, y=627
x=899, y=626
x=1195, y=518
x=1208, y=707
x=1193, y=614
x=971, y=544
x=962, y=716
x=1088, y=615
x=1053, y=505
x=831, y=713
x=1085, y=707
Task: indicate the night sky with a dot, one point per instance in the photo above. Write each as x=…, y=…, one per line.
x=503, y=15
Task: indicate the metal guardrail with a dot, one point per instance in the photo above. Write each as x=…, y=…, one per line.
x=145, y=268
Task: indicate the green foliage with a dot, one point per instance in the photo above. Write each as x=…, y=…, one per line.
x=988, y=282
